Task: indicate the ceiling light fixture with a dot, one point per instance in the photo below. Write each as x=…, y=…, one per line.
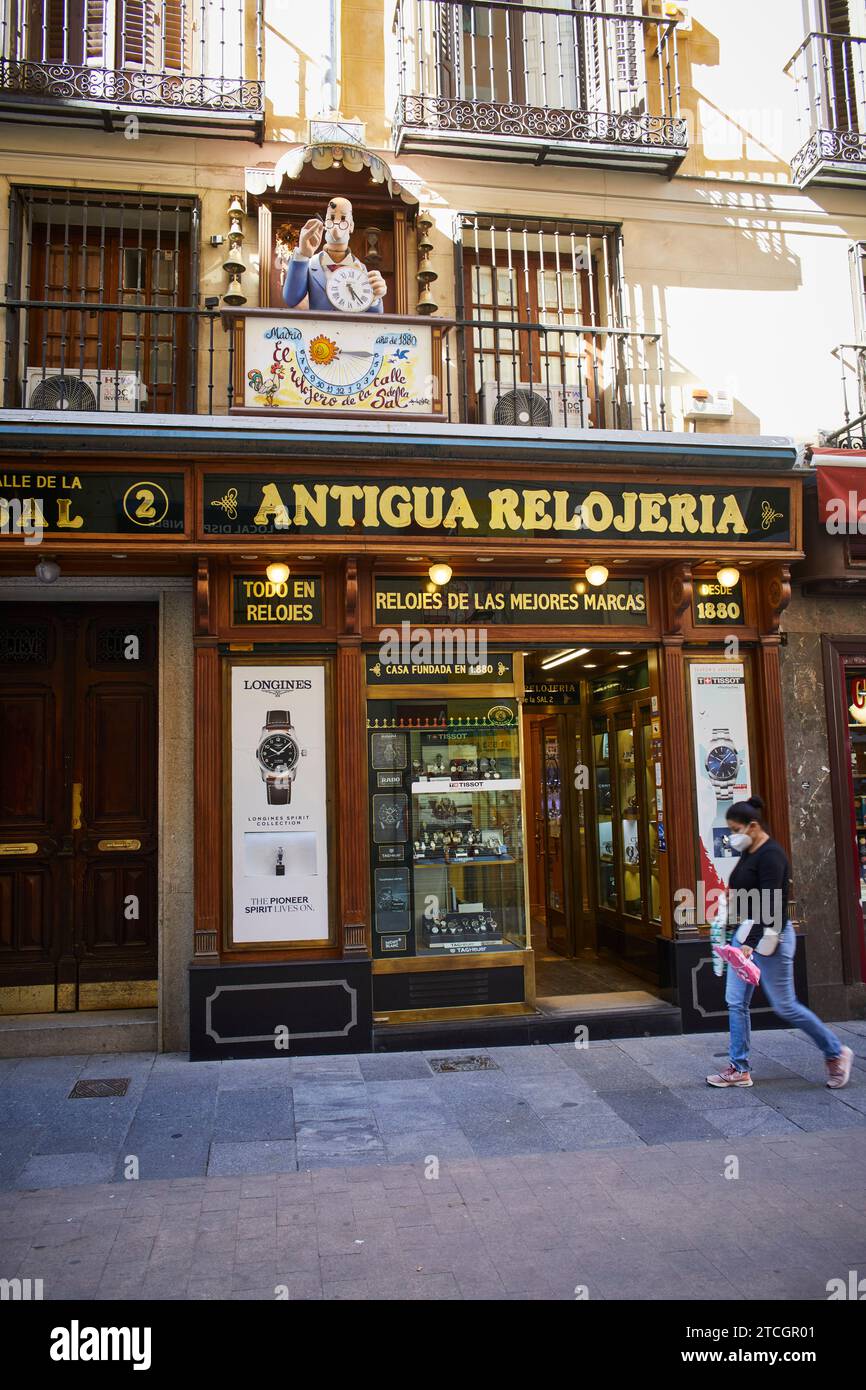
x=561, y=658
x=440, y=573
x=553, y=560
x=278, y=571
x=728, y=576
x=597, y=574
x=623, y=653
x=47, y=571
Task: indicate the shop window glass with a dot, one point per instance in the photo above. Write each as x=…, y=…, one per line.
x=446, y=829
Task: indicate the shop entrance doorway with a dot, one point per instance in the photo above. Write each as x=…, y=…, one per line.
x=593, y=875
x=78, y=806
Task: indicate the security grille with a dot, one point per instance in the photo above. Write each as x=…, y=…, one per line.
x=105, y=317
x=545, y=336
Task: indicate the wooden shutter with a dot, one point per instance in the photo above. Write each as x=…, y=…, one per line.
x=153, y=35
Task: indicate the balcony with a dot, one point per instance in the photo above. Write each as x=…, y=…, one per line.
x=157, y=359
x=828, y=72
x=535, y=83
x=190, y=67
x=852, y=433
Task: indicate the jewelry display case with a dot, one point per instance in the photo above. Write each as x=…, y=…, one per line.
x=445, y=824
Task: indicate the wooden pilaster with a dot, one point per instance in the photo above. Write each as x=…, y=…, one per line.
x=352, y=838
x=207, y=839
x=676, y=737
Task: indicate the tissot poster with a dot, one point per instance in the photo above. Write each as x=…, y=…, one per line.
x=721, y=760
x=279, y=813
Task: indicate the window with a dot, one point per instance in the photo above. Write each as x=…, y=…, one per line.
x=107, y=319
x=545, y=339
x=152, y=34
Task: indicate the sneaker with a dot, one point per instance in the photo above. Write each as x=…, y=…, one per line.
x=839, y=1069
x=731, y=1077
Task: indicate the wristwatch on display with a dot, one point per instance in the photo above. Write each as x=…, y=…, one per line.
x=278, y=754
x=723, y=764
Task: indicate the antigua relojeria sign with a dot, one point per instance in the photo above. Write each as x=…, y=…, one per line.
x=261, y=505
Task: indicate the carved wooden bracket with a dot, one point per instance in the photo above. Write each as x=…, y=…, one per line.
x=775, y=595
x=677, y=595
x=353, y=616
x=203, y=606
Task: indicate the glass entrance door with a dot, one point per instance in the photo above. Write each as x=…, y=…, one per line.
x=553, y=837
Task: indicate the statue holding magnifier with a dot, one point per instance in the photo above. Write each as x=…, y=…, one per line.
x=328, y=277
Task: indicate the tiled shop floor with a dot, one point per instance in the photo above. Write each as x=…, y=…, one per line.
x=181, y=1119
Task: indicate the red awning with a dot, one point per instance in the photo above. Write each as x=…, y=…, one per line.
x=841, y=475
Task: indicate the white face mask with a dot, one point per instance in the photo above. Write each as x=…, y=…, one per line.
x=741, y=841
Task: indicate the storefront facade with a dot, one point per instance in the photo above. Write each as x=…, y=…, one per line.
x=823, y=685
x=366, y=806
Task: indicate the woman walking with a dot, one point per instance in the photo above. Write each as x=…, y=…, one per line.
x=762, y=871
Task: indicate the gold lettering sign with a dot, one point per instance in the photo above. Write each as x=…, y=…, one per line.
x=613, y=510
x=28, y=848
x=119, y=844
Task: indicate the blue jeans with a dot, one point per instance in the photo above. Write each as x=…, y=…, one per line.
x=777, y=978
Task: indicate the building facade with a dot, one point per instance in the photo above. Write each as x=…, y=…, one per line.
x=534, y=454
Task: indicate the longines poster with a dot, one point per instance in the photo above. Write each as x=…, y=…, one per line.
x=721, y=752
x=279, y=811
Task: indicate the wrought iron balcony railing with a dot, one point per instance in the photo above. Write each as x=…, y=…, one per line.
x=829, y=72
x=591, y=85
x=157, y=359
x=852, y=435
x=173, y=65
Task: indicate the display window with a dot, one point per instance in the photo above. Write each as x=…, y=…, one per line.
x=856, y=728
x=445, y=826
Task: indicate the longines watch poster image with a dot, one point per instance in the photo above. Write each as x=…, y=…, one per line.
x=279, y=810
x=721, y=752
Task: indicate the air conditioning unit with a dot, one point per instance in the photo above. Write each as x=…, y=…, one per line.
x=545, y=407
x=704, y=403
x=671, y=9
x=84, y=390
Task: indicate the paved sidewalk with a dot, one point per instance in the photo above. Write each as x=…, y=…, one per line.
x=182, y=1119
x=375, y=1177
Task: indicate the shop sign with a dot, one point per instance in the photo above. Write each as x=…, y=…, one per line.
x=609, y=687
x=257, y=602
x=279, y=804
x=336, y=364
x=512, y=602
x=552, y=693
x=715, y=606
x=73, y=504
x=260, y=504
x=497, y=667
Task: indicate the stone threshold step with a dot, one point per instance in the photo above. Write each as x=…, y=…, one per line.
x=659, y=1020
x=56, y=1035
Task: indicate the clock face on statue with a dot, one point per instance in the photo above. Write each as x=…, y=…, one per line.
x=349, y=289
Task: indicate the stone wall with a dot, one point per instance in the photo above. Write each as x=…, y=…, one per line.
x=809, y=789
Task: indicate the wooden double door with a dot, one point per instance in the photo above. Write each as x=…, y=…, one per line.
x=78, y=806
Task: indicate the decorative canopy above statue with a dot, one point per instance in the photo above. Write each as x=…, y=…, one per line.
x=352, y=158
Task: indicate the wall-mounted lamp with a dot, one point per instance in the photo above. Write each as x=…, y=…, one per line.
x=597, y=574
x=440, y=573
x=728, y=576
x=278, y=571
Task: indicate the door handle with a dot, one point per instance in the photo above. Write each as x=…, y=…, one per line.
x=77, y=791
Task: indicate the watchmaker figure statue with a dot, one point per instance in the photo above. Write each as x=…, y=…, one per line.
x=331, y=277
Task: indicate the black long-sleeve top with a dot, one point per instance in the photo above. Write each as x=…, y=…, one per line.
x=766, y=870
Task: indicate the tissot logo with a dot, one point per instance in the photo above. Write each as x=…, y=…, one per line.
x=275, y=687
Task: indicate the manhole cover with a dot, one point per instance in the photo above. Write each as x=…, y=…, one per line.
x=463, y=1064
x=94, y=1090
